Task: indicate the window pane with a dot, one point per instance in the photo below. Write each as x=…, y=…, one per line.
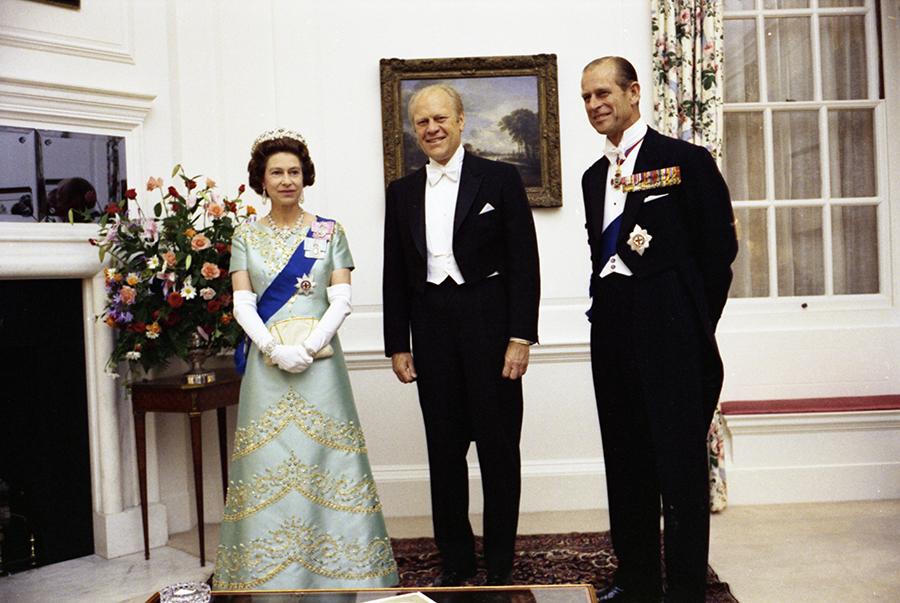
x=786, y=4
x=789, y=59
x=801, y=266
x=851, y=136
x=854, y=243
x=743, y=156
x=751, y=268
x=843, y=57
x=795, y=137
x=741, y=61
x=740, y=4
x=836, y=3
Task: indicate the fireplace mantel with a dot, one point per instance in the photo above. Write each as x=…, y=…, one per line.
x=40, y=251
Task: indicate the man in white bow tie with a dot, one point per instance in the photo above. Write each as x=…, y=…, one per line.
x=662, y=239
x=461, y=275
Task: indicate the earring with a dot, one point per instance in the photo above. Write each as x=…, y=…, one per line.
x=265, y=197
x=300, y=199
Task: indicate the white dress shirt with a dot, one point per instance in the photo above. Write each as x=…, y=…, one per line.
x=614, y=203
x=441, y=190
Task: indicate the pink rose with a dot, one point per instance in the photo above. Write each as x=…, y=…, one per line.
x=207, y=293
x=154, y=183
x=127, y=294
x=215, y=209
x=210, y=271
x=200, y=242
x=169, y=257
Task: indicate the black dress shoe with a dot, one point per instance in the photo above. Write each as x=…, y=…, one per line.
x=498, y=579
x=618, y=594
x=452, y=578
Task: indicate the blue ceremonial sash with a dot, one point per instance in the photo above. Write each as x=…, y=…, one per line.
x=279, y=291
x=607, y=250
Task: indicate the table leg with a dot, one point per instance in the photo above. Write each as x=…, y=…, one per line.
x=197, y=448
x=140, y=438
x=223, y=450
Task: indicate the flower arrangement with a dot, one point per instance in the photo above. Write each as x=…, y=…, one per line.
x=167, y=281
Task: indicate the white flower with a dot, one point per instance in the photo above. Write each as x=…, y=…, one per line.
x=110, y=273
x=150, y=230
x=188, y=291
x=111, y=373
x=151, y=334
x=153, y=263
x=207, y=293
x=133, y=355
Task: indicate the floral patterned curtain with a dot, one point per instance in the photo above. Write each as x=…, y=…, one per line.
x=687, y=101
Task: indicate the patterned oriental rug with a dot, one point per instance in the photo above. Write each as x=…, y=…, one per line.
x=575, y=558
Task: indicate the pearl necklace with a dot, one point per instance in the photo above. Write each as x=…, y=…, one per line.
x=285, y=232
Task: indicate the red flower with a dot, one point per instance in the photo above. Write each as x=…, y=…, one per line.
x=213, y=306
x=155, y=314
x=175, y=300
x=112, y=209
x=174, y=191
x=241, y=189
x=173, y=318
x=221, y=248
x=190, y=184
x=137, y=327
x=131, y=194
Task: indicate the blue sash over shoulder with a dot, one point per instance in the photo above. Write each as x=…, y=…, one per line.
x=281, y=289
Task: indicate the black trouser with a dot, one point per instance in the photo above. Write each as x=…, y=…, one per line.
x=645, y=354
x=460, y=337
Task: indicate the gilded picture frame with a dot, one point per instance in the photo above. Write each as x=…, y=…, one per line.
x=512, y=114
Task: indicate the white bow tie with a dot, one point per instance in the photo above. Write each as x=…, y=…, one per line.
x=435, y=171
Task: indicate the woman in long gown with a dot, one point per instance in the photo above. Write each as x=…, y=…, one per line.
x=302, y=510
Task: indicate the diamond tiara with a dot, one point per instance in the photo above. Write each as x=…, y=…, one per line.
x=275, y=135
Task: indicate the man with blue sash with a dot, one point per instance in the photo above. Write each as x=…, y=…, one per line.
x=661, y=234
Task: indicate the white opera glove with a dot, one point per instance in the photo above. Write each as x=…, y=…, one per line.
x=291, y=358
x=246, y=315
x=339, y=308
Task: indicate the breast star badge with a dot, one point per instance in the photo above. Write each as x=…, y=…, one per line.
x=639, y=239
x=305, y=284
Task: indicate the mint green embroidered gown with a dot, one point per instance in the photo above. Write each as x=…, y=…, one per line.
x=301, y=510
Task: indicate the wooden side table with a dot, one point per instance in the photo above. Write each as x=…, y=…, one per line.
x=173, y=395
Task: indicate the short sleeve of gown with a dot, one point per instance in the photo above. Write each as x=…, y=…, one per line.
x=238, y=250
x=340, y=249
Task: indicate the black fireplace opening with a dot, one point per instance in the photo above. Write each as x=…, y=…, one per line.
x=45, y=480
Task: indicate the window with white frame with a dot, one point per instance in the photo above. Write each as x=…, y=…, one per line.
x=802, y=146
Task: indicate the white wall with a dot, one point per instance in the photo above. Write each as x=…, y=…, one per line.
x=223, y=71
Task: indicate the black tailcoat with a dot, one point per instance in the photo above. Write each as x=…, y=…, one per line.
x=656, y=366
x=459, y=338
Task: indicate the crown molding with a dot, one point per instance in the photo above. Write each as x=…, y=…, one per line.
x=55, y=104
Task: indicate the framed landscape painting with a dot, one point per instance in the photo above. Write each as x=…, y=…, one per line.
x=511, y=108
